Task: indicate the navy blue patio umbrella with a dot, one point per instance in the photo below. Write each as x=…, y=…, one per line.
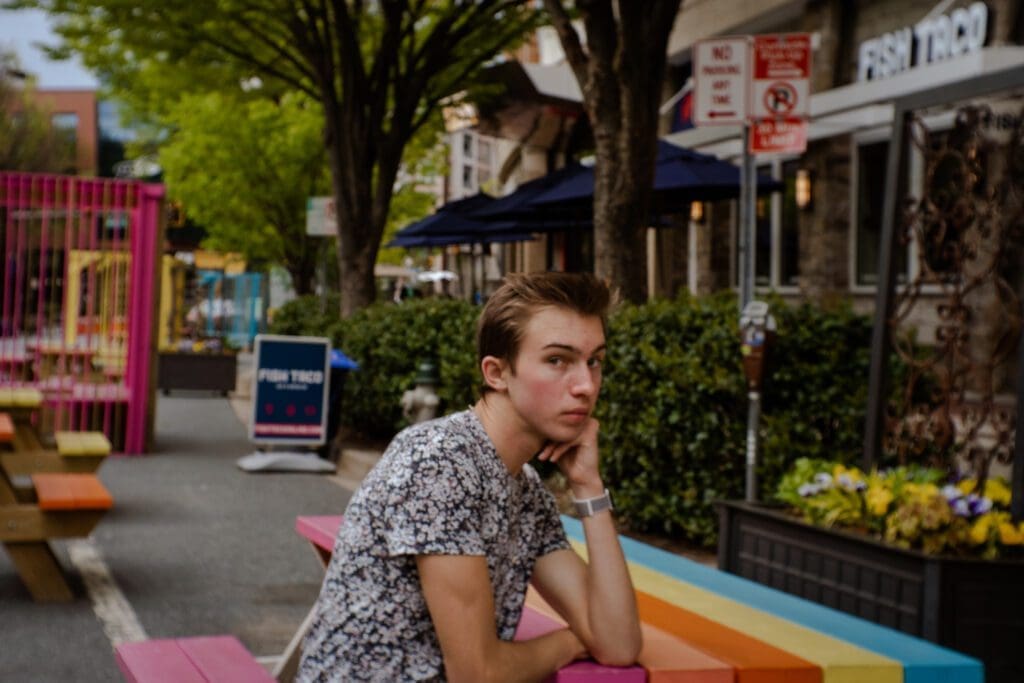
x=451, y=225
x=681, y=176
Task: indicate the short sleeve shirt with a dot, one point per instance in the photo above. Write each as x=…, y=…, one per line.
x=440, y=488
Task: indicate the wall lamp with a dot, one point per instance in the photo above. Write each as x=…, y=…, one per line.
x=804, y=193
x=696, y=211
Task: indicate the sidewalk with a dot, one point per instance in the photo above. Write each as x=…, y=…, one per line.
x=193, y=546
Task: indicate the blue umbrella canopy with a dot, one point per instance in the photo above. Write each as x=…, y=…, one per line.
x=451, y=224
x=681, y=176
x=520, y=205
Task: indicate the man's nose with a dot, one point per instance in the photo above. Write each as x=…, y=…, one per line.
x=583, y=381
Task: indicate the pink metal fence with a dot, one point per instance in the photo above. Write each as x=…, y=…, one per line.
x=77, y=299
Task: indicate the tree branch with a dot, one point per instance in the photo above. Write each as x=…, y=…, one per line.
x=570, y=40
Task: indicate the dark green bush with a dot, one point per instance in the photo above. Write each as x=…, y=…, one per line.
x=307, y=315
x=674, y=407
x=389, y=342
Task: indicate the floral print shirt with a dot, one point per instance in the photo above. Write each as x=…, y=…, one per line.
x=440, y=488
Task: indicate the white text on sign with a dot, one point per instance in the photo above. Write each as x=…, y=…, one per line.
x=721, y=70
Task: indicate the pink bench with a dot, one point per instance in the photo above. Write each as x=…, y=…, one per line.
x=190, y=660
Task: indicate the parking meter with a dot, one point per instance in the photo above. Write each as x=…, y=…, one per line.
x=757, y=332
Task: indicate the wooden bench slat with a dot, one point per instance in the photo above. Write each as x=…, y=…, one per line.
x=754, y=660
x=533, y=624
x=71, y=491
x=20, y=397
x=665, y=657
x=223, y=659
x=72, y=444
x=6, y=428
x=321, y=530
x=156, y=661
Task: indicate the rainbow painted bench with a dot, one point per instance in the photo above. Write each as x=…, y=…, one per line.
x=701, y=625
x=766, y=635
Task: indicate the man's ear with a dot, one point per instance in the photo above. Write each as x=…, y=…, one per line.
x=493, y=370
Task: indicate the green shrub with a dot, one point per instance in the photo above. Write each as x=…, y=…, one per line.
x=389, y=342
x=674, y=407
x=306, y=315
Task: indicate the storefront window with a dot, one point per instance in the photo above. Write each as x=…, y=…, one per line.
x=763, y=242
x=777, y=241
x=789, y=247
x=871, y=171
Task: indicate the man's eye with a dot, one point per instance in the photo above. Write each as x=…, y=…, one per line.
x=556, y=360
x=595, y=362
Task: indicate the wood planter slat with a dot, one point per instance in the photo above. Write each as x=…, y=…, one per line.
x=970, y=605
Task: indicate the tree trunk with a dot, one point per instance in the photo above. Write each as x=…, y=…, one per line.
x=620, y=75
x=620, y=209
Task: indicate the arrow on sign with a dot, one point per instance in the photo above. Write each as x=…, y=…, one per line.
x=720, y=114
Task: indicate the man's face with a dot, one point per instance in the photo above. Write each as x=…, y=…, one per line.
x=557, y=373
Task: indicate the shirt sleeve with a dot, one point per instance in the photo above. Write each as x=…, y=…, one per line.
x=550, y=534
x=434, y=504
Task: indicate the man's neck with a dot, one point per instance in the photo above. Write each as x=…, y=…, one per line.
x=515, y=443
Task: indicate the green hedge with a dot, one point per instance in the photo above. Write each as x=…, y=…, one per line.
x=674, y=404
x=674, y=409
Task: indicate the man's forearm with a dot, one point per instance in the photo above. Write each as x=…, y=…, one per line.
x=523, y=660
x=611, y=603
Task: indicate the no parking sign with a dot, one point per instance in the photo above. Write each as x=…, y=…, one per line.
x=289, y=394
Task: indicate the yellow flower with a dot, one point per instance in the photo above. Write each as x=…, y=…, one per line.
x=922, y=493
x=878, y=498
x=966, y=485
x=997, y=491
x=1008, y=534
x=980, y=528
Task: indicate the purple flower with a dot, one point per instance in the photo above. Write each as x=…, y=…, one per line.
x=978, y=504
x=808, y=490
x=823, y=479
x=960, y=507
x=951, y=492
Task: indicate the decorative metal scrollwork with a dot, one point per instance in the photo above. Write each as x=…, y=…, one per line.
x=956, y=399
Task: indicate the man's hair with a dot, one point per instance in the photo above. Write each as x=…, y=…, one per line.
x=499, y=331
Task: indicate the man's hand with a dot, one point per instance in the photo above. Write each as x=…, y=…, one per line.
x=578, y=460
x=460, y=598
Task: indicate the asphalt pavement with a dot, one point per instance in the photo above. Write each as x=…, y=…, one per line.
x=193, y=546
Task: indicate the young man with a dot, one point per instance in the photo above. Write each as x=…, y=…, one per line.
x=429, y=572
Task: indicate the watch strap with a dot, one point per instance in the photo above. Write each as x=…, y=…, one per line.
x=591, y=506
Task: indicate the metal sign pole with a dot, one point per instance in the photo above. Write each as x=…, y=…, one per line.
x=747, y=228
x=743, y=241
x=753, y=422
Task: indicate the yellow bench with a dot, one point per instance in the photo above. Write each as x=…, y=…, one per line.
x=20, y=402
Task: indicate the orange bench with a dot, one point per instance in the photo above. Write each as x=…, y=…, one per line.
x=69, y=506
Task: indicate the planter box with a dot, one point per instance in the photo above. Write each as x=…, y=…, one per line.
x=973, y=606
x=201, y=371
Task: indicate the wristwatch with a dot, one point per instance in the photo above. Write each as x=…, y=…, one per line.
x=591, y=506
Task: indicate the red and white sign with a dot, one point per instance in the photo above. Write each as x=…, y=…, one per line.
x=721, y=71
x=778, y=136
x=780, y=87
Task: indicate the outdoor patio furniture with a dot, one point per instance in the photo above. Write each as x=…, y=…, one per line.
x=189, y=660
x=67, y=506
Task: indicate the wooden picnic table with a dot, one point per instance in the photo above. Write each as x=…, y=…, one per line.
x=65, y=505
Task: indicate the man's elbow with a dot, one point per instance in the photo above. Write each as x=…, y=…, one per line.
x=621, y=652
